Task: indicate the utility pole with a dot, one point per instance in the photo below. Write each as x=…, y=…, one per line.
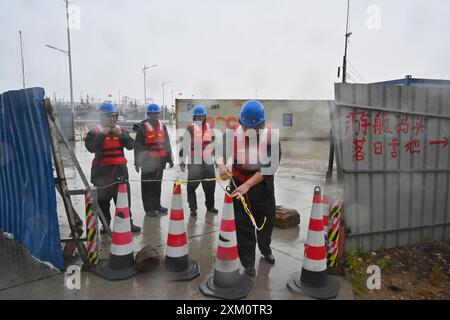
x=145, y=85
x=145, y=82
x=21, y=55
x=344, y=76
x=69, y=54
x=347, y=35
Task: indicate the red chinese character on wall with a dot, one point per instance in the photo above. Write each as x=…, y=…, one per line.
x=419, y=126
x=378, y=148
x=358, y=146
x=413, y=146
x=394, y=147
x=377, y=124
x=403, y=125
x=360, y=120
x=381, y=123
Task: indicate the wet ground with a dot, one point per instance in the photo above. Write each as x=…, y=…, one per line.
x=303, y=167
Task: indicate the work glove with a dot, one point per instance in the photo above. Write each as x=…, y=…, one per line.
x=137, y=168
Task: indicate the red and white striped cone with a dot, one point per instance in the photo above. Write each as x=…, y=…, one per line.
x=178, y=263
x=313, y=279
x=226, y=282
x=121, y=260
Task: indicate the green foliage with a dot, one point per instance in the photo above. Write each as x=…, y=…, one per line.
x=355, y=269
x=437, y=276
x=383, y=264
x=428, y=236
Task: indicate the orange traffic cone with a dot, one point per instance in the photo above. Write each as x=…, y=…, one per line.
x=178, y=263
x=121, y=261
x=313, y=279
x=226, y=282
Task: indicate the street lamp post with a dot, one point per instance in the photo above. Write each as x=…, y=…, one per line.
x=163, y=85
x=171, y=97
x=172, y=100
x=145, y=82
x=69, y=55
x=21, y=56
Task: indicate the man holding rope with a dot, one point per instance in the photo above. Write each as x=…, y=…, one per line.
x=256, y=153
x=109, y=166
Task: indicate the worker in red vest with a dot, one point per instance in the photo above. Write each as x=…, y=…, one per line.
x=109, y=166
x=152, y=152
x=254, y=179
x=197, y=144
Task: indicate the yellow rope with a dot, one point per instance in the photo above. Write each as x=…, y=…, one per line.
x=221, y=178
x=245, y=206
x=198, y=180
x=249, y=213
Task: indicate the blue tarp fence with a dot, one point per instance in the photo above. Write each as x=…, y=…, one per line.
x=27, y=188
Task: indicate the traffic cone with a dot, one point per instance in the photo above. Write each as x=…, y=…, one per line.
x=313, y=279
x=121, y=260
x=226, y=282
x=178, y=263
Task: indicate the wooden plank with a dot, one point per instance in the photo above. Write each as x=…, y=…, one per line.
x=62, y=183
x=66, y=143
x=79, y=222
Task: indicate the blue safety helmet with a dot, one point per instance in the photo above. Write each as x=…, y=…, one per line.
x=107, y=107
x=252, y=113
x=199, y=110
x=153, y=108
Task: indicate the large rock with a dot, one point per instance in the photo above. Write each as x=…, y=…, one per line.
x=147, y=259
x=286, y=218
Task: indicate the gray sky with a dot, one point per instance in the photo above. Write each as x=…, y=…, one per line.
x=220, y=48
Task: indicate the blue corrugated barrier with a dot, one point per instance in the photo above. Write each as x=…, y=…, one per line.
x=27, y=188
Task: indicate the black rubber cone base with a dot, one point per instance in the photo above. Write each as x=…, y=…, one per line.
x=329, y=291
x=88, y=267
x=208, y=288
x=104, y=270
x=192, y=272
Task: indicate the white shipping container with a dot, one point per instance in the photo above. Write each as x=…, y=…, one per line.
x=296, y=119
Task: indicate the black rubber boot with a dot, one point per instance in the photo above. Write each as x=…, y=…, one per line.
x=135, y=228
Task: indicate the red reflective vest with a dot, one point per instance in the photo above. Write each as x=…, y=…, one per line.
x=246, y=155
x=112, y=150
x=155, y=141
x=200, y=137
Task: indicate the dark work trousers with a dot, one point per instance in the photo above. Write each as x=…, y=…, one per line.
x=196, y=172
x=151, y=191
x=261, y=201
x=104, y=196
x=107, y=176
